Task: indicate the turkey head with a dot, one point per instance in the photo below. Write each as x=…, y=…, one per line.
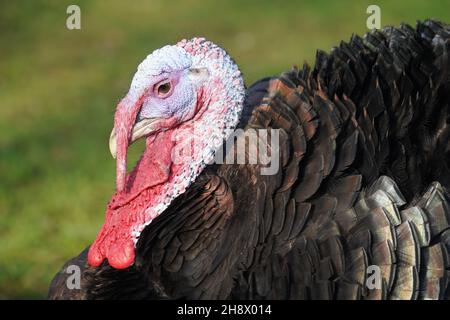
x=184, y=100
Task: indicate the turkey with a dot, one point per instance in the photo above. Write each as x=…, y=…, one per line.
x=362, y=183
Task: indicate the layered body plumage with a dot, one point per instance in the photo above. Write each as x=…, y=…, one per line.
x=364, y=171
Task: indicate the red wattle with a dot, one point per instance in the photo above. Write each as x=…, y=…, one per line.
x=126, y=210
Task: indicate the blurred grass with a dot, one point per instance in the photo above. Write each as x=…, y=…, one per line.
x=59, y=87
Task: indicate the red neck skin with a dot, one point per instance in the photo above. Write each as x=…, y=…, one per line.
x=127, y=208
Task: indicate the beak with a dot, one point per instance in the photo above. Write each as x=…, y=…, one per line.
x=140, y=130
x=126, y=131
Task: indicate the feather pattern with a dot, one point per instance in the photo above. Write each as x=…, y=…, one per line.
x=364, y=181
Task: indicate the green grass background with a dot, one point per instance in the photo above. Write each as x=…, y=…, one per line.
x=59, y=88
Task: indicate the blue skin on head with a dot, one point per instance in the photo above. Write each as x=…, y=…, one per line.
x=172, y=95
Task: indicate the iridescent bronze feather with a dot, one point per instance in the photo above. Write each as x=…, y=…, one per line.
x=364, y=182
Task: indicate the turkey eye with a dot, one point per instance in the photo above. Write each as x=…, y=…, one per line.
x=163, y=88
